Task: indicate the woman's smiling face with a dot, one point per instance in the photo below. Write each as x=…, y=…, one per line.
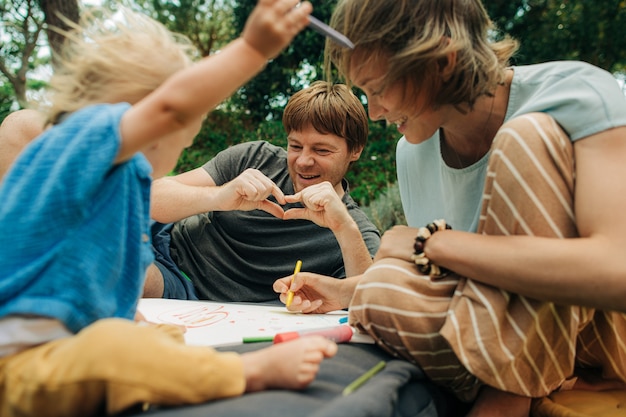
x=401, y=104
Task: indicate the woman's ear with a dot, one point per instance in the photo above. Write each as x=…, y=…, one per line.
x=447, y=66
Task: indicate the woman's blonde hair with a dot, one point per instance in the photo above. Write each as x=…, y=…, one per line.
x=112, y=57
x=416, y=36
x=330, y=109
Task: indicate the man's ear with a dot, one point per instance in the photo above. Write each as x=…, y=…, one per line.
x=356, y=154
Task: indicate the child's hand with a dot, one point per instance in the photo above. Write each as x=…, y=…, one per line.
x=274, y=23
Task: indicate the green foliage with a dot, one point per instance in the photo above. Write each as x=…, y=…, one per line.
x=6, y=100
x=386, y=211
x=265, y=95
x=586, y=30
x=376, y=168
x=21, y=23
x=223, y=129
x=207, y=23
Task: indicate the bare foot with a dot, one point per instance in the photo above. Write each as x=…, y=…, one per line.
x=290, y=365
x=494, y=403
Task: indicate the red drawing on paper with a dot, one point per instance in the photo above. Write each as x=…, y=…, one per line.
x=199, y=316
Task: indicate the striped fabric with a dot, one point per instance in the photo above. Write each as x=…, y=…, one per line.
x=464, y=333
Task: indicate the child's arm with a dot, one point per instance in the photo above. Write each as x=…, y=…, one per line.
x=190, y=94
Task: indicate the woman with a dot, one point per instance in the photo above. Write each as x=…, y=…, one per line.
x=526, y=164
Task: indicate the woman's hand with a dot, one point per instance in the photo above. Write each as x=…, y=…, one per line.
x=314, y=293
x=397, y=242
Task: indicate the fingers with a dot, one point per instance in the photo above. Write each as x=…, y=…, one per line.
x=273, y=24
x=272, y=208
x=303, y=293
x=250, y=190
x=322, y=345
x=281, y=285
x=396, y=242
x=322, y=205
x=302, y=305
x=278, y=194
x=295, y=198
x=296, y=213
x=299, y=304
x=255, y=186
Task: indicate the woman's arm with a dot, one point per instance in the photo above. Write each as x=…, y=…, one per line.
x=590, y=270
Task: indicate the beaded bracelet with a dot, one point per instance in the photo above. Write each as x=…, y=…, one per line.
x=424, y=265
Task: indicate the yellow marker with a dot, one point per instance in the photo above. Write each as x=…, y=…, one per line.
x=356, y=384
x=295, y=272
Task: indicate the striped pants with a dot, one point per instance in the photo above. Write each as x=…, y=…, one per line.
x=463, y=333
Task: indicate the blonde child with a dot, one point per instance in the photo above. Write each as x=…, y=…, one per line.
x=75, y=220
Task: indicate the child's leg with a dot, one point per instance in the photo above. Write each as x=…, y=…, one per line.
x=291, y=365
x=462, y=332
x=112, y=365
x=115, y=364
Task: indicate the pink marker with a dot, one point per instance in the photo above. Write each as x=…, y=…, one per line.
x=338, y=334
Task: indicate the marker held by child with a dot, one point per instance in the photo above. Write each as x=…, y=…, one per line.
x=295, y=272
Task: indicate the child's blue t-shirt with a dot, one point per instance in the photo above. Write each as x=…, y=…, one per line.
x=75, y=227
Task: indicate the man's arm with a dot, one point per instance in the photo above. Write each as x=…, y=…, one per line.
x=177, y=197
x=356, y=256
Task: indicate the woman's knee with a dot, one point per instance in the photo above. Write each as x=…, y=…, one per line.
x=392, y=292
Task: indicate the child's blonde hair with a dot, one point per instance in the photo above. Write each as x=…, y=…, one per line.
x=112, y=57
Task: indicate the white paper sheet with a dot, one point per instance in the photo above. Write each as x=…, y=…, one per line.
x=221, y=324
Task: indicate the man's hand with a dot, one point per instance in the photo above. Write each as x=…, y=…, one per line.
x=322, y=206
x=249, y=191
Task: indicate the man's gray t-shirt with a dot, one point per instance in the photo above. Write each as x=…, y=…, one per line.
x=237, y=255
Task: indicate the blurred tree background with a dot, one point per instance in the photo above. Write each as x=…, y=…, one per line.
x=589, y=30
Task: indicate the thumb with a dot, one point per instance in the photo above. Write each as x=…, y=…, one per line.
x=296, y=213
x=271, y=208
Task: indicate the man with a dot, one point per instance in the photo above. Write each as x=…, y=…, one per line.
x=230, y=228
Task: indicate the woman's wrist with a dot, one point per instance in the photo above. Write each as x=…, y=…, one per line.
x=424, y=264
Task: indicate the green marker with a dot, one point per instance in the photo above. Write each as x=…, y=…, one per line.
x=258, y=339
x=357, y=383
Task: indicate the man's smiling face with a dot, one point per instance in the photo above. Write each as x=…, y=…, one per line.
x=313, y=157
